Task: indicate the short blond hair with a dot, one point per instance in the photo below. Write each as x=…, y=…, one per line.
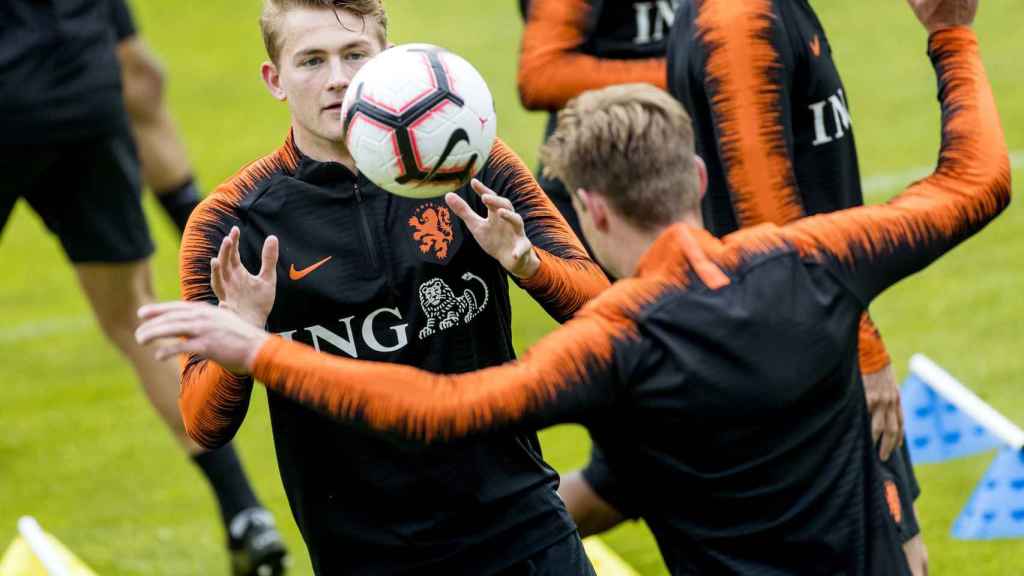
x=273, y=10
x=631, y=143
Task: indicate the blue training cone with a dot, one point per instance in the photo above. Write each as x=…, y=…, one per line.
x=936, y=429
x=996, y=509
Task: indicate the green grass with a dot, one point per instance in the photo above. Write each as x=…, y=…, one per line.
x=81, y=450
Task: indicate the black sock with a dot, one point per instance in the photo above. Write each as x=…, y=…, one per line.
x=180, y=201
x=224, y=472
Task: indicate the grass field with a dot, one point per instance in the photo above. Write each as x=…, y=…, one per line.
x=81, y=450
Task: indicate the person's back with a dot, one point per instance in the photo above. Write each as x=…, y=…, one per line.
x=758, y=410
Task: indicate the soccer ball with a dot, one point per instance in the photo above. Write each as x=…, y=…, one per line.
x=418, y=120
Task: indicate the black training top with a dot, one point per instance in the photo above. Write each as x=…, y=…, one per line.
x=770, y=114
x=366, y=274
x=60, y=79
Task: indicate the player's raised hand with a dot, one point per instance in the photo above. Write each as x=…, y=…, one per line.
x=501, y=233
x=883, y=398
x=251, y=296
x=938, y=14
x=215, y=333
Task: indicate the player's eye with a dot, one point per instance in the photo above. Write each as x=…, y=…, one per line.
x=355, y=56
x=311, y=61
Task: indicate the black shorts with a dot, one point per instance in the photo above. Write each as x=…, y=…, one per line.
x=901, y=490
x=88, y=193
x=121, y=20
x=565, y=557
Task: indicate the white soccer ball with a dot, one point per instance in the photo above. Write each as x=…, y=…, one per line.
x=418, y=120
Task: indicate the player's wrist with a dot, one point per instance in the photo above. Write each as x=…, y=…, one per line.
x=528, y=266
x=255, y=346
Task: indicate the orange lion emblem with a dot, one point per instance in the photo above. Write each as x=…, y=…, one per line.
x=433, y=229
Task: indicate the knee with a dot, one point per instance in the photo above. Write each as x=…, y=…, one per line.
x=144, y=81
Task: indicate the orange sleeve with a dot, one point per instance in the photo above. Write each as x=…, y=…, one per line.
x=742, y=46
x=569, y=373
x=552, y=71
x=872, y=353
x=213, y=401
x=567, y=278
x=873, y=247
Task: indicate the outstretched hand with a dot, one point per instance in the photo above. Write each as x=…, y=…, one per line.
x=501, y=233
x=250, y=296
x=212, y=332
x=938, y=14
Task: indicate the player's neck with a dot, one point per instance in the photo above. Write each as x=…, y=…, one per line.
x=633, y=243
x=323, y=150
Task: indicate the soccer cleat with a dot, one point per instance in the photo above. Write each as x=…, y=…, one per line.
x=256, y=547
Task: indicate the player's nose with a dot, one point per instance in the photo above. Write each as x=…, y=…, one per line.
x=339, y=75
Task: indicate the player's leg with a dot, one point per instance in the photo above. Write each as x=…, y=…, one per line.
x=165, y=165
x=91, y=200
x=115, y=292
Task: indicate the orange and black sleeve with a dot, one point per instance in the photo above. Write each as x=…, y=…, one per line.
x=747, y=63
x=553, y=70
x=874, y=247
x=574, y=372
x=567, y=278
x=213, y=401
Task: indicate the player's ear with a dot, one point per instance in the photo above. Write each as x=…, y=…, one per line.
x=702, y=175
x=272, y=78
x=594, y=207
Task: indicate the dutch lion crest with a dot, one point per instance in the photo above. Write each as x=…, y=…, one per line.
x=433, y=231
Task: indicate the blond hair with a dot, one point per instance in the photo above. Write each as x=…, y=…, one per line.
x=273, y=10
x=631, y=143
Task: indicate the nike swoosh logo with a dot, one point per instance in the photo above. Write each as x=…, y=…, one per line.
x=300, y=274
x=816, y=46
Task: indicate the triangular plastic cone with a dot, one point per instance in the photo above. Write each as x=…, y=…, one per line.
x=36, y=553
x=996, y=509
x=936, y=430
x=19, y=560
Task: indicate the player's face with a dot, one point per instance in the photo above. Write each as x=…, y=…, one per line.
x=320, y=53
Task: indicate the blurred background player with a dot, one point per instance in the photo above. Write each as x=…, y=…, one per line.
x=774, y=128
x=570, y=46
x=357, y=280
x=165, y=165
x=722, y=375
x=68, y=151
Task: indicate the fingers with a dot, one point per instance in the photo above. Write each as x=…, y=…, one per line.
x=479, y=187
x=150, y=311
x=495, y=202
x=463, y=210
x=268, y=267
x=890, y=439
x=217, y=279
x=512, y=218
x=236, y=257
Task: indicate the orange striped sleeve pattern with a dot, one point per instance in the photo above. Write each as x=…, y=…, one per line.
x=213, y=401
x=871, y=352
x=566, y=374
x=552, y=71
x=567, y=278
x=876, y=246
x=744, y=71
